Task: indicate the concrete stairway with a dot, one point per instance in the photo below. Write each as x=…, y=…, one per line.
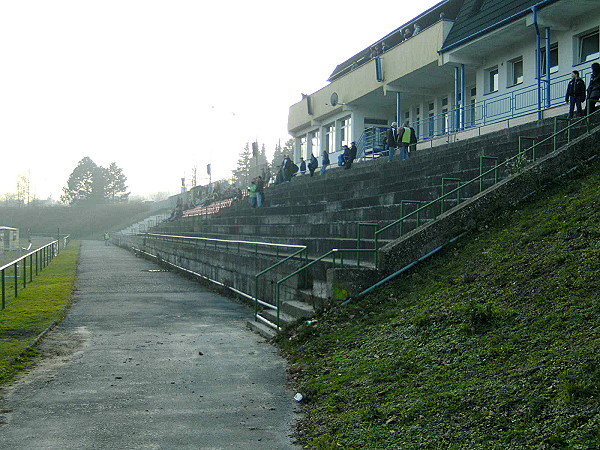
x=322, y=212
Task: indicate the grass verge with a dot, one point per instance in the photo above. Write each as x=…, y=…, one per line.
x=42, y=303
x=495, y=343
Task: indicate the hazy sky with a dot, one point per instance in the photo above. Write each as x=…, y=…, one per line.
x=161, y=86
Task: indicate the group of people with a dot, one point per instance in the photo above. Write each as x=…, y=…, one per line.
x=402, y=138
x=577, y=93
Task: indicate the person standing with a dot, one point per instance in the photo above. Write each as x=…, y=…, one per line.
x=312, y=165
x=106, y=238
x=324, y=162
x=302, y=166
x=406, y=137
x=392, y=140
x=252, y=194
x=593, y=91
x=260, y=191
x=575, y=94
x=351, y=156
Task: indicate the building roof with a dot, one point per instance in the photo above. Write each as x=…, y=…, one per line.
x=477, y=17
x=447, y=8
x=9, y=228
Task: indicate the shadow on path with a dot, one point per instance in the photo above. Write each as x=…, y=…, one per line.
x=149, y=360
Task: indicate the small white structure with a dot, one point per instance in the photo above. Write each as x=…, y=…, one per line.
x=9, y=238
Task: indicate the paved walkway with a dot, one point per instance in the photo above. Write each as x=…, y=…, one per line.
x=149, y=360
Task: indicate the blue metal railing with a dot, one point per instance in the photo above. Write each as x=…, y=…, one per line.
x=515, y=103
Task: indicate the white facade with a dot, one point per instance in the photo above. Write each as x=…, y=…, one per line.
x=496, y=71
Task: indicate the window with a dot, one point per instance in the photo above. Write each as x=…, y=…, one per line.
x=589, y=47
x=346, y=131
x=515, y=67
x=329, y=144
x=303, y=147
x=553, y=59
x=314, y=140
x=491, y=80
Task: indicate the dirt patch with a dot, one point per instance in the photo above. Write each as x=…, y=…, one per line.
x=57, y=349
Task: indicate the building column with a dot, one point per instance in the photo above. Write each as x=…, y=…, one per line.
x=398, y=109
x=463, y=96
x=548, y=67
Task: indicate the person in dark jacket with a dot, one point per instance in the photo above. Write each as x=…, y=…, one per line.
x=593, y=91
x=350, y=156
x=312, y=165
x=324, y=161
x=392, y=140
x=575, y=94
x=302, y=166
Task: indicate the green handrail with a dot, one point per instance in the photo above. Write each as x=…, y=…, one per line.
x=482, y=160
x=44, y=255
x=300, y=252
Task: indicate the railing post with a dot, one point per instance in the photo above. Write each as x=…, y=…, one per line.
x=16, y=280
x=3, y=289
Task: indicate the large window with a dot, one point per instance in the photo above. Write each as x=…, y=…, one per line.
x=315, y=147
x=553, y=59
x=515, y=67
x=346, y=131
x=329, y=143
x=491, y=79
x=588, y=46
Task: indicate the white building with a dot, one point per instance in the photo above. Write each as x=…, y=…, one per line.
x=492, y=54
x=9, y=238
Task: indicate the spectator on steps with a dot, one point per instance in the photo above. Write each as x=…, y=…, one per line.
x=324, y=162
x=593, y=92
x=286, y=169
x=575, y=94
x=260, y=191
x=406, y=137
x=392, y=140
x=302, y=166
x=252, y=194
x=312, y=165
x=351, y=156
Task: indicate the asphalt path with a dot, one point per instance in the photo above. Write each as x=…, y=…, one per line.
x=149, y=360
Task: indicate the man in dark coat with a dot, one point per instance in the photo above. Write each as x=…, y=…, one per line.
x=575, y=94
x=351, y=156
x=392, y=140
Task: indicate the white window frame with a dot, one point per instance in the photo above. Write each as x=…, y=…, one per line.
x=513, y=67
x=580, y=57
x=489, y=84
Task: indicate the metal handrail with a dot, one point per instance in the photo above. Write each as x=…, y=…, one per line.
x=480, y=177
x=43, y=257
x=441, y=198
x=299, y=253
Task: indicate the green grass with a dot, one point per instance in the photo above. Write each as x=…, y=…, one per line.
x=495, y=343
x=39, y=305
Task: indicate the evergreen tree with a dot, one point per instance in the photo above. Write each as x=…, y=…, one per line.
x=81, y=182
x=116, y=189
x=241, y=175
x=92, y=184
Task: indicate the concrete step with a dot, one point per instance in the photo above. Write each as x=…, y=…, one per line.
x=284, y=318
x=297, y=309
x=262, y=329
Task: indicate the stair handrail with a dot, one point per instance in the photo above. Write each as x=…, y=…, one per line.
x=494, y=169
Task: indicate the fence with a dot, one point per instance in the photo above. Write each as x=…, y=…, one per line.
x=516, y=103
x=42, y=257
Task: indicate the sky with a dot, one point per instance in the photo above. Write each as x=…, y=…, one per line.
x=159, y=87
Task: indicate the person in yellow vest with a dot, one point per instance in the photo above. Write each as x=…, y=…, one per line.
x=406, y=138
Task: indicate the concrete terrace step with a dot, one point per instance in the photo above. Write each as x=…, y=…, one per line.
x=262, y=329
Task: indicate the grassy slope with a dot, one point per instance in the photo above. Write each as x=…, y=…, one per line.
x=493, y=344
x=38, y=306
